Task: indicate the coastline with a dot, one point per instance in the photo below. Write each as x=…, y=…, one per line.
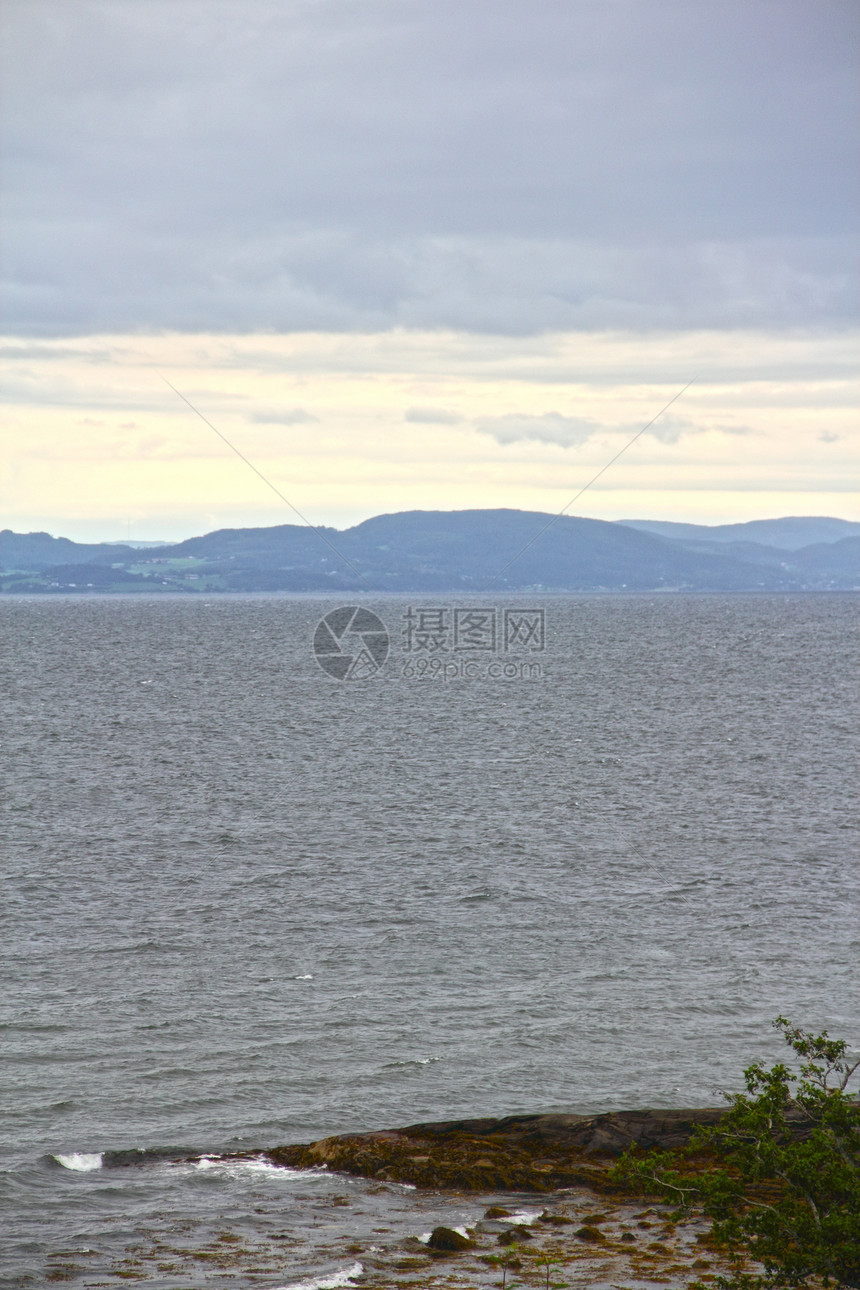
x=551, y=1214
x=473, y=1204
x=516, y=1153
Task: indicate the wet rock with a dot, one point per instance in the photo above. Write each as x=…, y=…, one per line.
x=608, y=1134
x=448, y=1241
x=589, y=1234
x=519, y=1153
x=497, y=1211
x=513, y=1235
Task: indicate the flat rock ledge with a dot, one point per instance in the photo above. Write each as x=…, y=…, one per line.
x=519, y=1153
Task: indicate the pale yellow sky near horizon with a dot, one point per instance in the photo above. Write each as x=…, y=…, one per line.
x=352, y=425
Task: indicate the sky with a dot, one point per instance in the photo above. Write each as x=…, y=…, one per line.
x=427, y=254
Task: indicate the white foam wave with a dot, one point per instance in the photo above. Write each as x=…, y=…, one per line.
x=412, y=1061
x=257, y=1165
x=461, y=1230
x=308, y=976
x=331, y=1282
x=524, y=1217
x=83, y=1162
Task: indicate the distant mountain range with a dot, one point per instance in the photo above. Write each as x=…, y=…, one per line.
x=789, y=534
x=458, y=551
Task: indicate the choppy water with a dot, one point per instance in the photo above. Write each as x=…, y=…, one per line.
x=246, y=904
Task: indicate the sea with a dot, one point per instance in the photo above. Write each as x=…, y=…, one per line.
x=529, y=854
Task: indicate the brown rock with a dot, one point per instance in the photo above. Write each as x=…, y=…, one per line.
x=513, y=1235
x=448, y=1241
x=517, y=1153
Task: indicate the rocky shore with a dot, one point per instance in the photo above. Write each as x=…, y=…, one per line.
x=546, y=1211
x=523, y=1201
x=552, y=1213
x=519, y=1153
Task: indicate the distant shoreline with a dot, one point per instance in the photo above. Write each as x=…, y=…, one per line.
x=470, y=552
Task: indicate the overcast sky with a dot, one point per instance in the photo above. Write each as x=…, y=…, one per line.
x=413, y=252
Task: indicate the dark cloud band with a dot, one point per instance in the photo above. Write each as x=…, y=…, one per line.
x=485, y=165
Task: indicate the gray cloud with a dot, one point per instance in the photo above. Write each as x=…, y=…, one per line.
x=480, y=164
x=432, y=416
x=286, y=417
x=569, y=432
x=548, y=427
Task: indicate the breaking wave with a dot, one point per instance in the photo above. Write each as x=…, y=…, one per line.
x=330, y=1282
x=82, y=1162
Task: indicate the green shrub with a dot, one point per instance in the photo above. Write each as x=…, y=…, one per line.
x=779, y=1175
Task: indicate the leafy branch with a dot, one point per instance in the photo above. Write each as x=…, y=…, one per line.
x=779, y=1175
